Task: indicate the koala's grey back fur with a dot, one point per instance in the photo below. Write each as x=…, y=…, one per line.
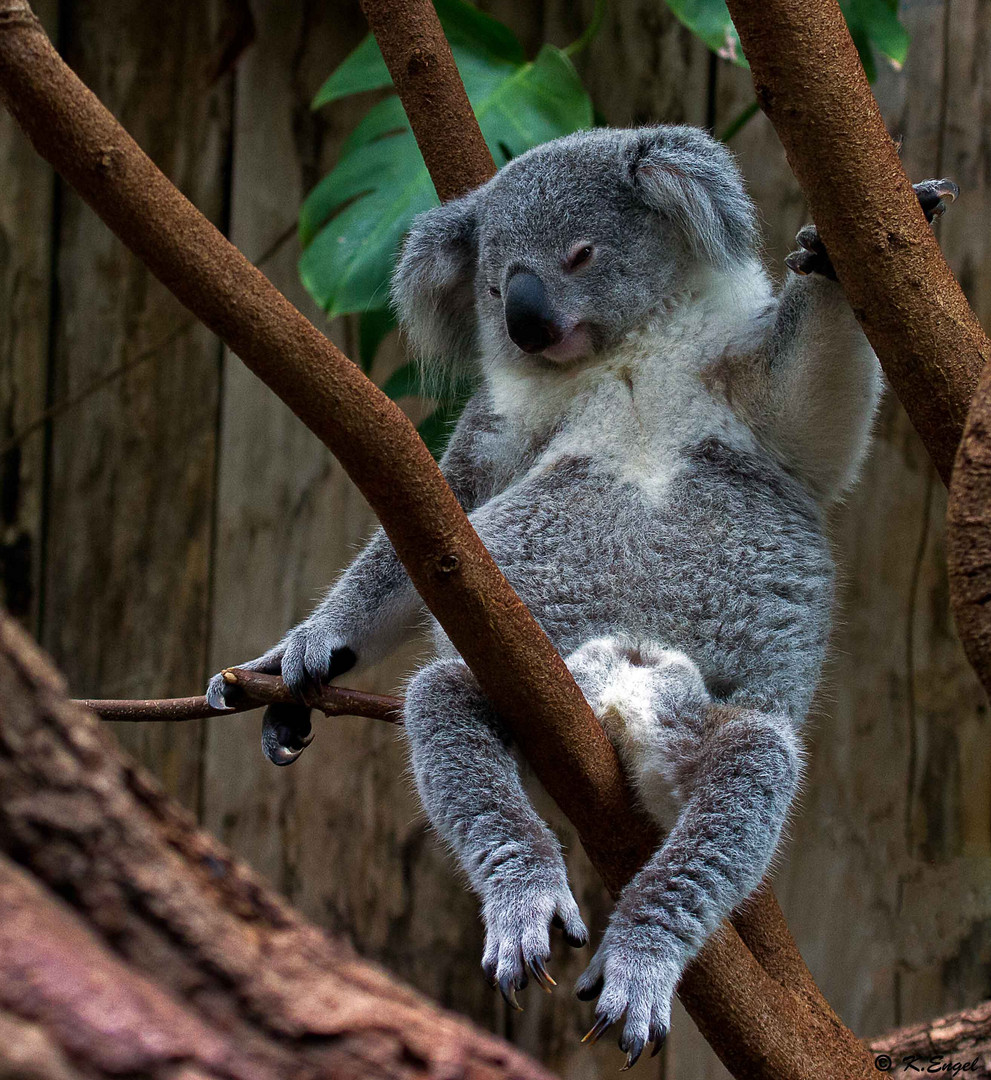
x=648, y=459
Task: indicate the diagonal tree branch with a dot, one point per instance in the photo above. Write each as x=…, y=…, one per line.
x=759, y=1028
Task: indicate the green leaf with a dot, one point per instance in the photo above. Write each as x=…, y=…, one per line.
x=465, y=27
x=877, y=20
x=353, y=221
x=386, y=118
x=710, y=20
x=538, y=102
x=404, y=382
x=873, y=25
x=363, y=69
x=347, y=264
x=373, y=327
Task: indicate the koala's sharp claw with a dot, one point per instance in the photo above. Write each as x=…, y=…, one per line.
x=286, y=732
x=598, y=1029
x=540, y=973
x=633, y=1052
x=508, y=992
x=808, y=238
x=659, y=1041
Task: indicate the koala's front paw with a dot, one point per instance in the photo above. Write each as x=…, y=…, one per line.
x=632, y=972
x=314, y=654
x=517, y=933
x=813, y=257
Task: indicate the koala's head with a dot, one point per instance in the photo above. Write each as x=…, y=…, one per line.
x=572, y=246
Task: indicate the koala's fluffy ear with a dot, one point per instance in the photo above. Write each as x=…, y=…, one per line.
x=433, y=283
x=693, y=180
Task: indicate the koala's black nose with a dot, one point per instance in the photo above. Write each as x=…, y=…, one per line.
x=529, y=317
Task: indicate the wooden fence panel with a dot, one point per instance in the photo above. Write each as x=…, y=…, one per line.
x=26, y=237
x=131, y=482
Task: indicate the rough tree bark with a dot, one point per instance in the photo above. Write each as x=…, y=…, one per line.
x=140, y=946
x=810, y=83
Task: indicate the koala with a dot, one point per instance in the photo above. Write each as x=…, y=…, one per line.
x=656, y=438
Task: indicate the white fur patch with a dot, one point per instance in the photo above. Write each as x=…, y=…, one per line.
x=637, y=406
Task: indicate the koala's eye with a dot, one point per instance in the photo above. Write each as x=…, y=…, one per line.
x=579, y=256
x=494, y=291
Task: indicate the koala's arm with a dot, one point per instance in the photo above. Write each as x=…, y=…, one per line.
x=820, y=384
x=373, y=602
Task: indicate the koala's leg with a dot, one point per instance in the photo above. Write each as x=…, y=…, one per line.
x=734, y=773
x=470, y=787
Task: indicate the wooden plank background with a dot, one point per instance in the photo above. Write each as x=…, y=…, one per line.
x=162, y=514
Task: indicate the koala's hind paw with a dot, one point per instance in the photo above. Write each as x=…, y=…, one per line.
x=517, y=936
x=286, y=732
x=634, y=980
x=812, y=258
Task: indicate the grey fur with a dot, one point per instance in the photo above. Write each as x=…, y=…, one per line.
x=654, y=488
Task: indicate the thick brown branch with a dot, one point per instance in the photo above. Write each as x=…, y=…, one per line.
x=809, y=81
x=757, y=1027
x=254, y=689
x=427, y=80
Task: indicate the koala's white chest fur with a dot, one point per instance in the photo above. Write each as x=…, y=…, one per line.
x=635, y=408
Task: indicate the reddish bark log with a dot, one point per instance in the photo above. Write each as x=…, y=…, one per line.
x=963, y=1036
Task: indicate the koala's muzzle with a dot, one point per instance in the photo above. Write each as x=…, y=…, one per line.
x=529, y=317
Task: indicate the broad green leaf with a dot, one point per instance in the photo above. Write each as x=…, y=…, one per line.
x=385, y=118
x=466, y=28
x=710, y=20
x=538, y=102
x=352, y=222
x=879, y=21
x=347, y=264
x=363, y=69
x=873, y=24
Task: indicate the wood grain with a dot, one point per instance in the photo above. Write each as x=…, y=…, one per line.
x=131, y=490
x=27, y=233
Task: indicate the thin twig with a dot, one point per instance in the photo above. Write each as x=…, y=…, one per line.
x=253, y=690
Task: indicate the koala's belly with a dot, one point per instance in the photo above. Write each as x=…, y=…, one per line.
x=730, y=566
